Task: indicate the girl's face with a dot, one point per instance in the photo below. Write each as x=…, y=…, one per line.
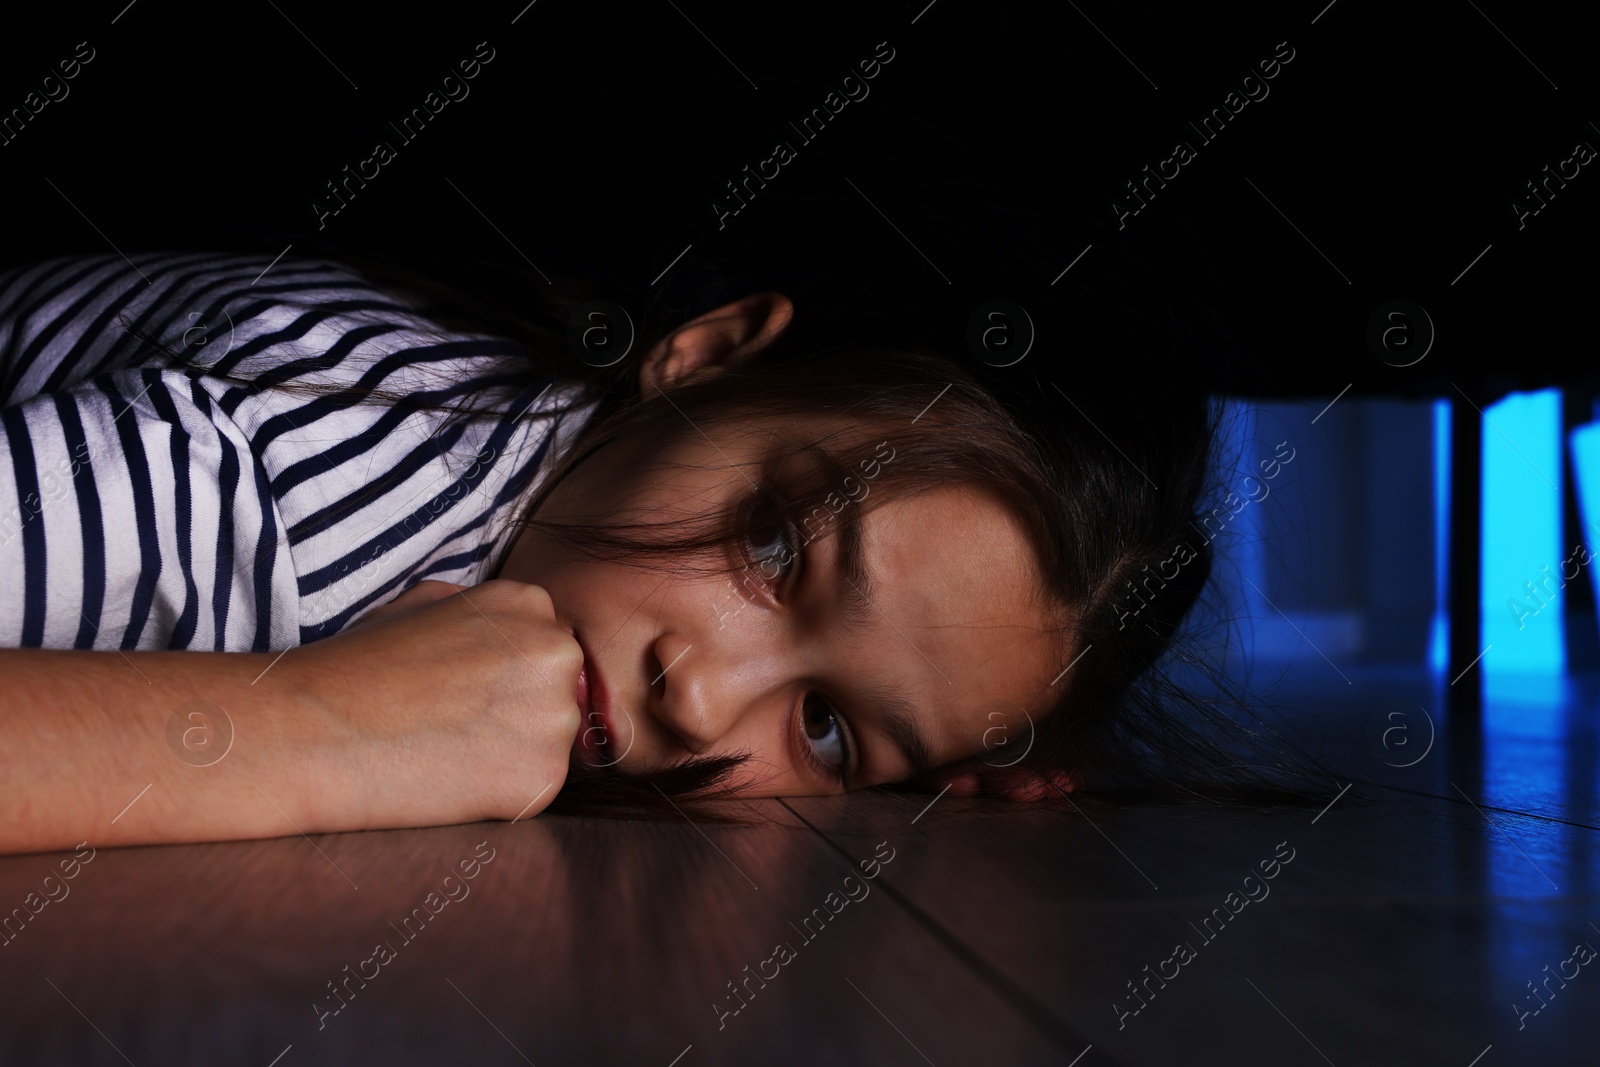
x=877, y=645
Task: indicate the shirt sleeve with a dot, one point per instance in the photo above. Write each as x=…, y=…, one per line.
x=134, y=515
x=133, y=511
x=241, y=453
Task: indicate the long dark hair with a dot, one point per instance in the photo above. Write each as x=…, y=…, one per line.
x=1110, y=481
x=1110, y=496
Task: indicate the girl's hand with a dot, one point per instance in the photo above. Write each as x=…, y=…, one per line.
x=1009, y=783
x=424, y=592
x=447, y=705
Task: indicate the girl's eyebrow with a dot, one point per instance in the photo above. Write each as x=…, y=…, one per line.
x=896, y=712
x=858, y=596
x=899, y=717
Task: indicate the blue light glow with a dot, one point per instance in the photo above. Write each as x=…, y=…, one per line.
x=1522, y=552
x=1586, y=469
x=1439, y=634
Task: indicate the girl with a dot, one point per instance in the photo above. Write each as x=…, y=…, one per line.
x=306, y=546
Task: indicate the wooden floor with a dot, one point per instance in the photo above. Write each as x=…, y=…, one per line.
x=1411, y=922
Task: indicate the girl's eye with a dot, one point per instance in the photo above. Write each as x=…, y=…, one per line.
x=824, y=736
x=772, y=538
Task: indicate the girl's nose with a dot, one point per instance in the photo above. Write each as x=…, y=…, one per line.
x=683, y=694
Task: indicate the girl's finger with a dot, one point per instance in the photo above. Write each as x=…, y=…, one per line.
x=1015, y=784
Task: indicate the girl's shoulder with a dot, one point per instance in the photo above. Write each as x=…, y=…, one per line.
x=272, y=319
x=287, y=411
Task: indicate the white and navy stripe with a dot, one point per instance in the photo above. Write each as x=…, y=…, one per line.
x=267, y=500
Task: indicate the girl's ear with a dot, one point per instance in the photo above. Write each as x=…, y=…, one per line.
x=722, y=338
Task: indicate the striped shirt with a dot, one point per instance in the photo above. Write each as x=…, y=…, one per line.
x=260, y=501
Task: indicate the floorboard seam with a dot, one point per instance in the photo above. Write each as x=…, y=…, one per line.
x=1034, y=1011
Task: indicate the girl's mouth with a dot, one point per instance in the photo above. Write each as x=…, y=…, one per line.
x=595, y=733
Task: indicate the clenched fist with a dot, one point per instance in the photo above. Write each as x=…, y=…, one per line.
x=450, y=704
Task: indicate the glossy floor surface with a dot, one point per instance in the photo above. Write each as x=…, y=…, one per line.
x=1442, y=910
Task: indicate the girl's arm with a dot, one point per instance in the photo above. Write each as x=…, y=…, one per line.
x=85, y=733
x=460, y=709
